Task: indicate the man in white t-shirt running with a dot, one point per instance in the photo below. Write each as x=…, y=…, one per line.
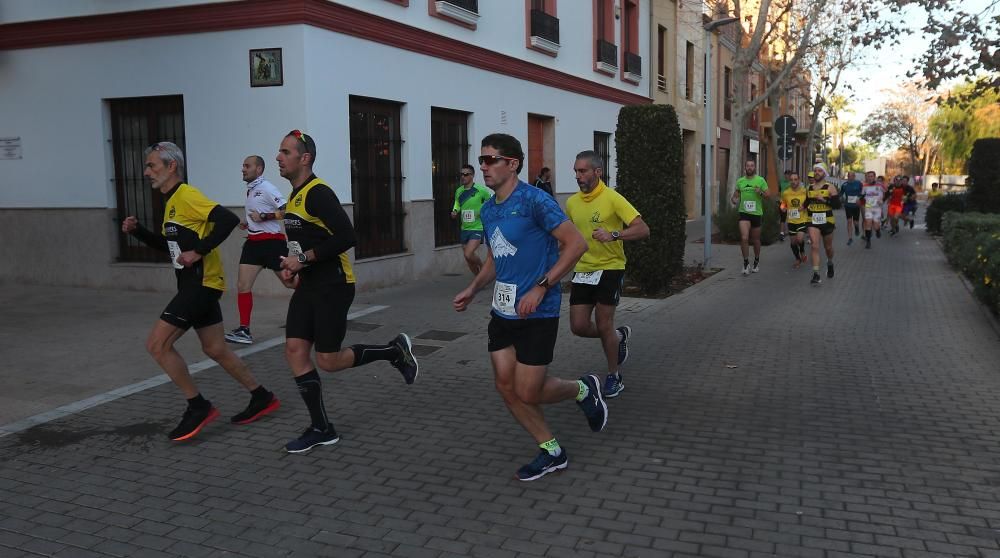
x=265, y=244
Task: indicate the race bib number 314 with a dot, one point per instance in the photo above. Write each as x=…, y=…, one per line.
x=504, y=297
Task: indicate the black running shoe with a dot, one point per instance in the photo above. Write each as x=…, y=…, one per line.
x=593, y=406
x=406, y=363
x=256, y=409
x=815, y=280
x=911, y=223
x=192, y=422
x=624, y=332
x=829, y=270
x=542, y=465
x=311, y=438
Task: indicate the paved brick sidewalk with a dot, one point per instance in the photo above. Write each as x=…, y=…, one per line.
x=762, y=417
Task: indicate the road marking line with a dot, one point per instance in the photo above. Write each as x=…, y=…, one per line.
x=125, y=391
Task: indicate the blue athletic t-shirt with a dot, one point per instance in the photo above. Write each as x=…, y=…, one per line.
x=850, y=190
x=518, y=231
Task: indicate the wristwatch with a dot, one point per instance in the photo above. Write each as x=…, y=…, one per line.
x=615, y=235
x=543, y=282
x=302, y=258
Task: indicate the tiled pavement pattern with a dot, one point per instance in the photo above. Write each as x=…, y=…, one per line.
x=761, y=417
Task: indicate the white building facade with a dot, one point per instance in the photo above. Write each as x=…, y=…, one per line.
x=397, y=95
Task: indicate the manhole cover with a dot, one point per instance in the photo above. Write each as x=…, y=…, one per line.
x=438, y=335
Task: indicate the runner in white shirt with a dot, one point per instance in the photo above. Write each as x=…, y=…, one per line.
x=265, y=244
x=872, y=197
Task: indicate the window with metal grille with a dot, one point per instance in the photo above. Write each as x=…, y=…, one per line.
x=661, y=58
x=137, y=123
x=602, y=146
x=449, y=151
x=727, y=94
x=376, y=177
x=689, y=71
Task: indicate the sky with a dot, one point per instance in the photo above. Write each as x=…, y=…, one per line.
x=872, y=77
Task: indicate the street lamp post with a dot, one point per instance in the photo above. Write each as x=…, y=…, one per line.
x=709, y=135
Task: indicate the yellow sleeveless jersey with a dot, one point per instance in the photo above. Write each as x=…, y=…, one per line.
x=185, y=222
x=305, y=231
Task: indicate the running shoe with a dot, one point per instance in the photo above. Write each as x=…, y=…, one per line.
x=911, y=223
x=746, y=269
x=756, y=267
x=624, y=332
x=311, y=438
x=613, y=385
x=256, y=409
x=192, y=422
x=593, y=406
x=542, y=465
x=815, y=280
x=850, y=241
x=829, y=270
x=406, y=363
x=781, y=237
x=240, y=335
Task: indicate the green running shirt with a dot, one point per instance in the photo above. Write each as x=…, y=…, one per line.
x=468, y=203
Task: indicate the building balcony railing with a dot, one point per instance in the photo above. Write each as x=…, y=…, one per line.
x=607, y=55
x=661, y=82
x=470, y=5
x=633, y=65
x=466, y=11
x=544, y=26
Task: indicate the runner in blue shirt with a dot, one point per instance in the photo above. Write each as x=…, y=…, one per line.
x=850, y=192
x=524, y=227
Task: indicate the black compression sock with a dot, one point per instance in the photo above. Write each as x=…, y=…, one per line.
x=311, y=391
x=363, y=354
x=795, y=250
x=199, y=402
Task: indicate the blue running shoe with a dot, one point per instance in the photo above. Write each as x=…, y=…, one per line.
x=311, y=438
x=593, y=406
x=542, y=465
x=613, y=385
x=625, y=332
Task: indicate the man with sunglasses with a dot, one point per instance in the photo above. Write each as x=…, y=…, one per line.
x=524, y=229
x=193, y=228
x=469, y=199
x=319, y=269
x=265, y=243
x=606, y=219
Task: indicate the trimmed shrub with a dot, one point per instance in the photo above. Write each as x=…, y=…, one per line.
x=941, y=205
x=650, y=152
x=972, y=244
x=984, y=176
x=728, y=222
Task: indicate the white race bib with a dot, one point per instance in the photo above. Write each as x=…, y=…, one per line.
x=819, y=218
x=504, y=297
x=874, y=201
x=749, y=206
x=852, y=199
x=468, y=215
x=793, y=213
x=588, y=278
x=175, y=252
x=294, y=248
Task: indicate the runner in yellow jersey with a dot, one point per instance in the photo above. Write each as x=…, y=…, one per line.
x=821, y=199
x=605, y=219
x=794, y=198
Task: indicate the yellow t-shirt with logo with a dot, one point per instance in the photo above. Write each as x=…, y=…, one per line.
x=185, y=222
x=795, y=202
x=601, y=208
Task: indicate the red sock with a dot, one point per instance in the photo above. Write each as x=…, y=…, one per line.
x=244, y=301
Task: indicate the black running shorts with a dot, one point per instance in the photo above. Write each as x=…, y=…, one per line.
x=265, y=253
x=319, y=314
x=534, y=340
x=607, y=291
x=195, y=307
x=825, y=229
x=795, y=228
x=853, y=212
x=754, y=219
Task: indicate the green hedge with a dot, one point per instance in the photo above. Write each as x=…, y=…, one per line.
x=650, y=159
x=984, y=176
x=729, y=228
x=941, y=205
x=972, y=244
